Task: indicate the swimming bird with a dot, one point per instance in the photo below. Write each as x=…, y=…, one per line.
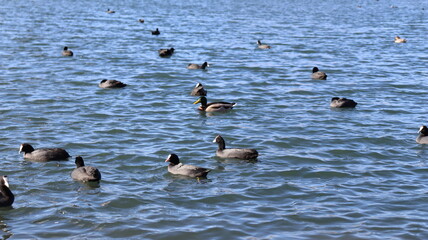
x=400, y=40
x=175, y=167
x=316, y=74
x=214, y=106
x=197, y=66
x=6, y=196
x=423, y=135
x=262, y=46
x=166, y=52
x=198, y=90
x=85, y=173
x=110, y=11
x=67, y=52
x=111, y=84
x=141, y=20
x=156, y=32
x=241, y=153
x=342, y=103
x=43, y=154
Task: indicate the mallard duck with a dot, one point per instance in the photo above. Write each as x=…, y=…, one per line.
x=67, y=52
x=214, y=106
x=111, y=84
x=262, y=46
x=156, y=32
x=43, y=154
x=197, y=66
x=166, y=52
x=316, y=74
x=342, y=103
x=110, y=11
x=423, y=135
x=241, y=153
x=198, y=90
x=399, y=40
x=6, y=196
x=85, y=173
x=175, y=167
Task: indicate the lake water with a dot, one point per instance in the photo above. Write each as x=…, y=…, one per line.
x=321, y=174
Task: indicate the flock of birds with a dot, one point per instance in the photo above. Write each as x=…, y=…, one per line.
x=92, y=174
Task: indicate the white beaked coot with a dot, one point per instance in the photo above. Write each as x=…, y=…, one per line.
x=6, y=196
x=175, y=167
x=43, y=154
x=241, y=153
x=198, y=90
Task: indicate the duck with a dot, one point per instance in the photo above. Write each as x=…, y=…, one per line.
x=6, y=196
x=141, y=20
x=316, y=74
x=166, y=52
x=156, y=32
x=342, y=103
x=197, y=66
x=399, y=40
x=43, y=154
x=111, y=84
x=110, y=11
x=423, y=135
x=85, y=173
x=175, y=167
x=262, y=46
x=198, y=90
x=214, y=106
x=67, y=52
x=240, y=153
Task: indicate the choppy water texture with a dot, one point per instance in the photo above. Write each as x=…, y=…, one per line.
x=321, y=173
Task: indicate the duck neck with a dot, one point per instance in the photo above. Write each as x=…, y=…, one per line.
x=221, y=144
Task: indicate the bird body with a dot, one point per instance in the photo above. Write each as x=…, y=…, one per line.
x=43, y=154
x=197, y=66
x=214, y=106
x=175, y=167
x=342, y=103
x=85, y=173
x=316, y=74
x=423, y=135
x=399, y=40
x=111, y=84
x=240, y=153
x=67, y=52
x=166, y=52
x=198, y=90
x=156, y=32
x=262, y=46
x=110, y=11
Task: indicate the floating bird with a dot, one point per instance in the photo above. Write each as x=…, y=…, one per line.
x=43, y=154
x=175, y=167
x=423, y=135
x=399, y=40
x=110, y=11
x=262, y=46
x=141, y=20
x=197, y=66
x=342, y=103
x=67, y=52
x=6, y=196
x=111, y=84
x=214, y=106
x=166, y=52
x=199, y=90
x=156, y=32
x=85, y=173
x=241, y=153
x=316, y=74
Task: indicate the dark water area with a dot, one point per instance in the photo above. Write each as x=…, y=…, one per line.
x=322, y=173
